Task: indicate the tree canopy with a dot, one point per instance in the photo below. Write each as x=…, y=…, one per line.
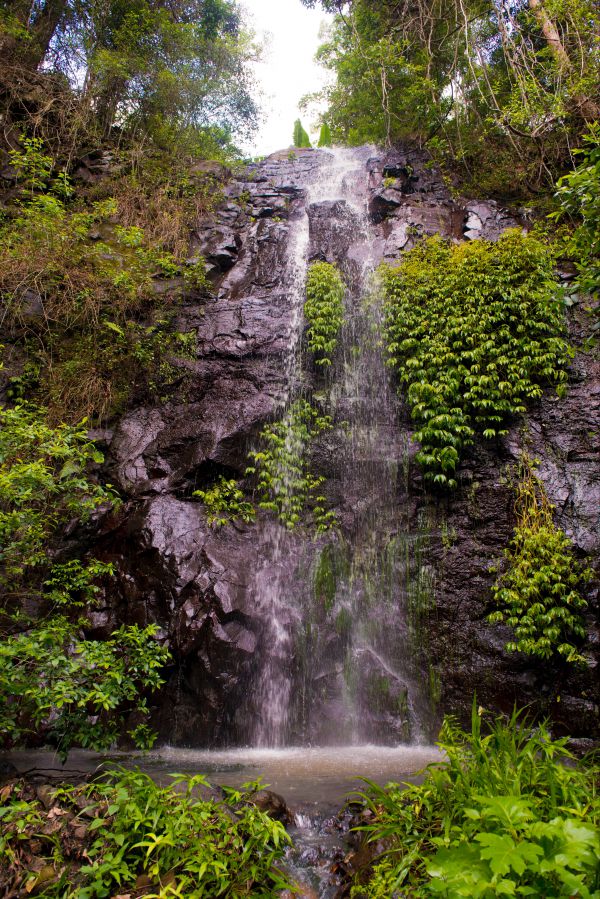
x=155, y=68
x=507, y=85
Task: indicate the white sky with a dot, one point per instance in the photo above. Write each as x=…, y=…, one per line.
x=288, y=70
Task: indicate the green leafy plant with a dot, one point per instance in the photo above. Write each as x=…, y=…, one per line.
x=181, y=840
x=76, y=692
x=324, y=309
x=55, y=683
x=33, y=166
x=285, y=483
x=579, y=196
x=43, y=484
x=538, y=592
x=225, y=503
x=507, y=811
x=473, y=332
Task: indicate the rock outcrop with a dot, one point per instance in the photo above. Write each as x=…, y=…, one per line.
x=205, y=587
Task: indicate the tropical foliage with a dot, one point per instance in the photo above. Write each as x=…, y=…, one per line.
x=538, y=592
x=579, y=196
x=54, y=683
x=182, y=840
x=506, y=812
x=473, y=332
x=323, y=309
x=502, y=90
x=286, y=485
x=225, y=503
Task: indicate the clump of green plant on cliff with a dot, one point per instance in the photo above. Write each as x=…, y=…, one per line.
x=142, y=839
x=538, y=592
x=55, y=684
x=324, y=309
x=76, y=281
x=473, y=332
x=508, y=811
x=286, y=485
x=225, y=503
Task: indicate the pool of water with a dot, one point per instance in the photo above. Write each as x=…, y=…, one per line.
x=310, y=779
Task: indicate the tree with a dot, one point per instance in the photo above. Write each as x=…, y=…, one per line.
x=504, y=88
x=301, y=138
x=325, y=136
x=159, y=68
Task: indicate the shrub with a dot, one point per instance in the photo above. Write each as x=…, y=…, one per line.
x=143, y=840
x=324, y=309
x=325, y=136
x=508, y=812
x=43, y=485
x=579, y=196
x=73, y=691
x=473, y=332
x=301, y=138
x=54, y=684
x=538, y=592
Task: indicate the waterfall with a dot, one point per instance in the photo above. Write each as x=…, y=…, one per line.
x=340, y=661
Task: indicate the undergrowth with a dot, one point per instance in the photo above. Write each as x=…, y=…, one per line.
x=78, y=279
x=127, y=836
x=508, y=811
x=56, y=685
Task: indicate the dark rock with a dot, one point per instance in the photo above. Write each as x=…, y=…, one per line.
x=273, y=805
x=210, y=590
x=8, y=771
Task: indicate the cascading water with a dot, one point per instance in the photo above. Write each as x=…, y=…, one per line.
x=339, y=663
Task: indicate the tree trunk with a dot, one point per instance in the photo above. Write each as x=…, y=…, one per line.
x=583, y=106
x=30, y=52
x=550, y=32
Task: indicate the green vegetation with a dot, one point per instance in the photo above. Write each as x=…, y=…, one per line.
x=177, y=841
x=579, y=196
x=473, y=332
x=324, y=309
x=72, y=280
x=500, y=92
x=162, y=74
x=54, y=683
x=538, y=592
x=325, y=577
x=285, y=483
x=301, y=138
x=507, y=812
x=325, y=136
x=225, y=503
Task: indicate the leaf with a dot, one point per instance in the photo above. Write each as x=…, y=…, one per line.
x=498, y=850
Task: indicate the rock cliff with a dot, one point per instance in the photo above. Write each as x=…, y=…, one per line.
x=427, y=559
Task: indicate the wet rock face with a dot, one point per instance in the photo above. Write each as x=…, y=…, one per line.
x=200, y=584
x=563, y=435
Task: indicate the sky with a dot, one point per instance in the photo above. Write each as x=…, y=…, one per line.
x=287, y=70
